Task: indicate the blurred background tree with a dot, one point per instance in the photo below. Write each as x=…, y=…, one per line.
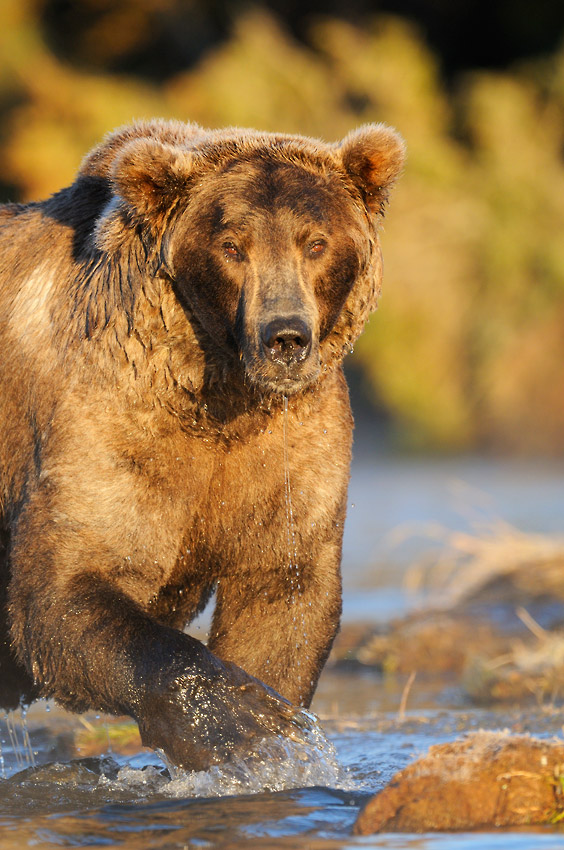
x=467, y=349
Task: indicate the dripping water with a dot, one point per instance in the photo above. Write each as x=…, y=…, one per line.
x=26, y=739
x=293, y=564
x=18, y=740
x=323, y=754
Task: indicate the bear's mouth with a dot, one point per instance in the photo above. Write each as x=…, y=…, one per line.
x=281, y=380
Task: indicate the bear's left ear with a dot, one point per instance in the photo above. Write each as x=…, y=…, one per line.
x=152, y=177
x=373, y=156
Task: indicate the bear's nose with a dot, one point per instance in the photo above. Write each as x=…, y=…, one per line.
x=286, y=340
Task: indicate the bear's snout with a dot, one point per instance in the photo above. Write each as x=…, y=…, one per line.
x=286, y=340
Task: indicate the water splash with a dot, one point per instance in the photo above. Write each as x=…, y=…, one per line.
x=277, y=764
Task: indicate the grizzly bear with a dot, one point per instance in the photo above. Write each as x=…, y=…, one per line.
x=175, y=422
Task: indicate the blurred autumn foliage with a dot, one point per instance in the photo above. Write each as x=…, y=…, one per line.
x=467, y=349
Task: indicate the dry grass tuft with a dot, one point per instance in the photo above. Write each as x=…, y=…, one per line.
x=495, y=562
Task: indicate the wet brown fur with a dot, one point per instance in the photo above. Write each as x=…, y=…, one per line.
x=141, y=437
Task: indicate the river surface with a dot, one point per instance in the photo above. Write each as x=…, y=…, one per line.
x=71, y=781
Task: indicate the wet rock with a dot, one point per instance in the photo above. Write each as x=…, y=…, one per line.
x=488, y=779
x=84, y=771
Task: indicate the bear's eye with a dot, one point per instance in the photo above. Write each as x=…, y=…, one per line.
x=231, y=251
x=317, y=248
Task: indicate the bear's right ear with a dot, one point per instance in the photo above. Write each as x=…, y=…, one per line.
x=151, y=177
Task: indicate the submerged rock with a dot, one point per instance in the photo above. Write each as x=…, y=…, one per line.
x=488, y=779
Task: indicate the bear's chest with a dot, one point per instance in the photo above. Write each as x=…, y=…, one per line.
x=255, y=498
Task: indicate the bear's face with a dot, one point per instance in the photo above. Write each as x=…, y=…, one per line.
x=265, y=255
x=264, y=238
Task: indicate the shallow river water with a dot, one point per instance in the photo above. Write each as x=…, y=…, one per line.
x=72, y=781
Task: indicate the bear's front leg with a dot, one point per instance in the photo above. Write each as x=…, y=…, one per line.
x=90, y=645
x=279, y=624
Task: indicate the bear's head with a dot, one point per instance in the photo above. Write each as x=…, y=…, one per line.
x=271, y=241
